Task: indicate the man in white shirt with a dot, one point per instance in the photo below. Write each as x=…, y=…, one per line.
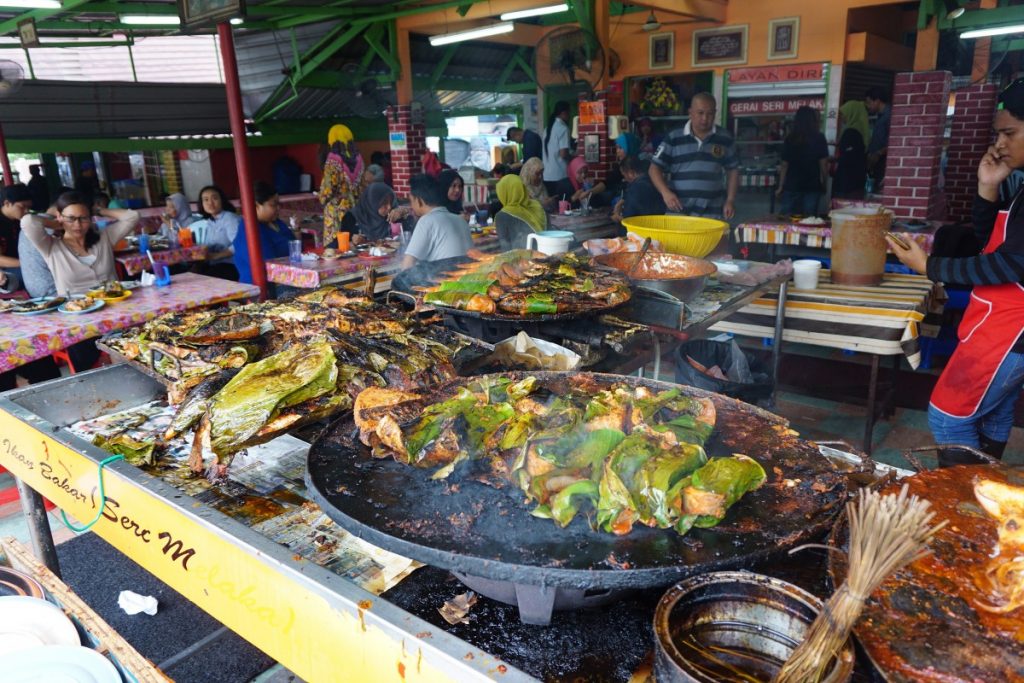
x=556, y=146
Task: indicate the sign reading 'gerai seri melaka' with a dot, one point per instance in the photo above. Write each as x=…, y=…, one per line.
x=782, y=105
x=776, y=74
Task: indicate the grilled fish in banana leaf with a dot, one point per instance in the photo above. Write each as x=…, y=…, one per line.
x=135, y=452
x=262, y=389
x=712, y=489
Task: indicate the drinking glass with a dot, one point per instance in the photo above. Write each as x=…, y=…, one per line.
x=295, y=251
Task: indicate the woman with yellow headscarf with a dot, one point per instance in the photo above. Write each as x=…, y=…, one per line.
x=339, y=188
x=519, y=215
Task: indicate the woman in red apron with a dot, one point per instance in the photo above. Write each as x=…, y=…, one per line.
x=973, y=402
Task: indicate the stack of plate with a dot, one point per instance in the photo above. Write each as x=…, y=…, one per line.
x=38, y=642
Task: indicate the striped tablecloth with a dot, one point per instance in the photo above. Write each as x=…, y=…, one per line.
x=797, y=235
x=882, y=320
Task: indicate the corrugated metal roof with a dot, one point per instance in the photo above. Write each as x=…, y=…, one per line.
x=63, y=109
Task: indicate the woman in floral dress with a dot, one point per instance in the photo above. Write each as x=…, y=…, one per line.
x=339, y=188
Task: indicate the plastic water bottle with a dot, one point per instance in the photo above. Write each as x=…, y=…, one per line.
x=870, y=186
x=143, y=243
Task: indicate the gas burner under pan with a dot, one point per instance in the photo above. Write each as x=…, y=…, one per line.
x=537, y=603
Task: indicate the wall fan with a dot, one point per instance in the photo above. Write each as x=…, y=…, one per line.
x=11, y=77
x=569, y=57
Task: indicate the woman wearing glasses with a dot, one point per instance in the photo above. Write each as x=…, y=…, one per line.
x=972, y=403
x=83, y=258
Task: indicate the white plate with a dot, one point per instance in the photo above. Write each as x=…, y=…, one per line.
x=63, y=663
x=30, y=623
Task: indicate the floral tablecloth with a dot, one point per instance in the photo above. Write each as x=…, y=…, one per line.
x=313, y=274
x=819, y=236
x=134, y=262
x=25, y=338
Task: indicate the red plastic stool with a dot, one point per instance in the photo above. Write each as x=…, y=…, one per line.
x=10, y=494
x=62, y=357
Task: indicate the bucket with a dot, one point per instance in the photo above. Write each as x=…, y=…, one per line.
x=735, y=626
x=858, y=245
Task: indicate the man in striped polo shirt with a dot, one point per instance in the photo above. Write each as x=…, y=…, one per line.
x=700, y=159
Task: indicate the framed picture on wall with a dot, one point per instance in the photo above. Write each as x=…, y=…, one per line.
x=592, y=148
x=718, y=46
x=783, y=38
x=662, y=50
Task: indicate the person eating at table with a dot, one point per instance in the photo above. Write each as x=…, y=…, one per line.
x=973, y=401
x=374, y=212
x=532, y=175
x=82, y=258
x=17, y=201
x=452, y=186
x=640, y=197
x=177, y=213
x=519, y=216
x=441, y=239
x=221, y=227
x=577, y=186
x=274, y=232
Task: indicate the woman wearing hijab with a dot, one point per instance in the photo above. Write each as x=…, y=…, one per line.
x=177, y=212
x=451, y=186
x=339, y=189
x=519, y=215
x=851, y=152
x=626, y=145
x=648, y=140
x=578, y=186
x=373, y=214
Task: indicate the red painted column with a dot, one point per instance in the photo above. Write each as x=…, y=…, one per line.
x=4, y=161
x=241, y=145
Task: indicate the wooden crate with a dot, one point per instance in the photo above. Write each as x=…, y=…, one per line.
x=109, y=642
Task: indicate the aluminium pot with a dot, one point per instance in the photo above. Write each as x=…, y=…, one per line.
x=730, y=626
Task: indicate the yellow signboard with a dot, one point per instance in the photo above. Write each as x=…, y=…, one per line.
x=262, y=599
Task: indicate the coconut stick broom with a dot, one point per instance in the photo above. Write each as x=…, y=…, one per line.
x=886, y=533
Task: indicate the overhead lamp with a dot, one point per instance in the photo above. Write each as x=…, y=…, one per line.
x=953, y=9
x=235, y=21
x=535, y=12
x=472, y=34
x=31, y=4
x=149, y=19
x=993, y=31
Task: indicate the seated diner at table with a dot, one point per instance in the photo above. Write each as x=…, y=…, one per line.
x=220, y=227
x=640, y=198
x=177, y=213
x=82, y=258
x=532, y=175
x=452, y=186
x=626, y=145
x=274, y=232
x=375, y=210
x=577, y=186
x=17, y=201
x=441, y=239
x=520, y=216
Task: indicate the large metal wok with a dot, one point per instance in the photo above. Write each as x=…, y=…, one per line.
x=468, y=527
x=680, y=276
x=923, y=623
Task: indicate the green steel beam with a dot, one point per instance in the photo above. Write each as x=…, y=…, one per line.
x=128, y=8
x=982, y=18
x=364, y=65
x=327, y=52
x=509, y=68
x=336, y=79
x=442, y=64
x=373, y=40
x=525, y=66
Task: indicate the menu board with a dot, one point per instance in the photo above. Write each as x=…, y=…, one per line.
x=725, y=45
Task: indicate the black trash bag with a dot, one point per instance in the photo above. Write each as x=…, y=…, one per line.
x=748, y=379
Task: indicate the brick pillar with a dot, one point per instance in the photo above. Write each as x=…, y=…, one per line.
x=971, y=135
x=405, y=163
x=600, y=169
x=919, y=105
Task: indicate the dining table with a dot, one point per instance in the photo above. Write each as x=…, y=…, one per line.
x=786, y=232
x=131, y=263
x=25, y=338
x=349, y=270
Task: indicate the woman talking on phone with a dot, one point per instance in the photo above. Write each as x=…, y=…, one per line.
x=972, y=403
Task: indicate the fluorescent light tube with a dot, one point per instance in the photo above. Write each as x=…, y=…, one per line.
x=472, y=34
x=31, y=4
x=149, y=19
x=992, y=31
x=535, y=12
